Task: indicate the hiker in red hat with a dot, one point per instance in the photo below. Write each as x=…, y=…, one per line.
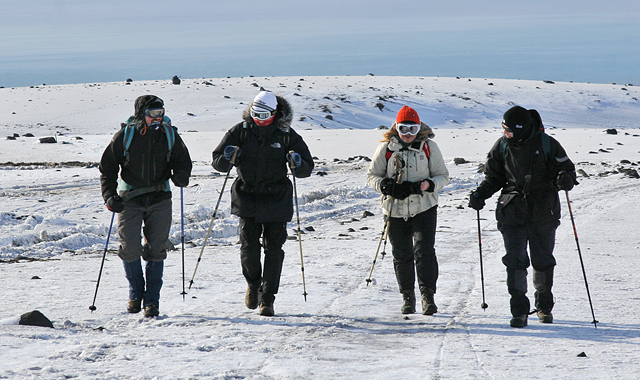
x=408, y=169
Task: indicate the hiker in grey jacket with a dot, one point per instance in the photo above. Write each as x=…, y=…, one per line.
x=408, y=169
x=145, y=154
x=529, y=167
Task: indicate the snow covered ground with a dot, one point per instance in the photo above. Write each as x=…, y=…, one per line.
x=53, y=230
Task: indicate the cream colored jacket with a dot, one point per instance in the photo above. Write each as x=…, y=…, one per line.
x=411, y=165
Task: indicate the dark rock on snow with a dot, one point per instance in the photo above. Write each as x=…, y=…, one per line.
x=48, y=140
x=35, y=318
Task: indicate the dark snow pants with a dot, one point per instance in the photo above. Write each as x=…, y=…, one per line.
x=541, y=240
x=413, y=248
x=274, y=235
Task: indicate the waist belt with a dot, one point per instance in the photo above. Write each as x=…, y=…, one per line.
x=142, y=190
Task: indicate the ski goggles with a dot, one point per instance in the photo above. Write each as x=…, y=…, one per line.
x=408, y=128
x=154, y=113
x=261, y=114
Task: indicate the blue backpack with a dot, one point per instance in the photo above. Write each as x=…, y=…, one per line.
x=129, y=131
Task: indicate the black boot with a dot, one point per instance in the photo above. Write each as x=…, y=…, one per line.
x=519, y=321
x=517, y=286
x=543, y=282
x=408, y=302
x=428, y=304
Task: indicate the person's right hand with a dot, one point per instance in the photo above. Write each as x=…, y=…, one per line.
x=229, y=150
x=115, y=204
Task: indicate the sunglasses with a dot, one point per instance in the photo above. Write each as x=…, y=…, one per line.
x=261, y=115
x=408, y=128
x=154, y=113
x=507, y=128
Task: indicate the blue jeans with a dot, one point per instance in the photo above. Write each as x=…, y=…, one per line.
x=149, y=292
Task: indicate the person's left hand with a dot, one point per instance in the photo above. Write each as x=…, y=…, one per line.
x=294, y=159
x=180, y=179
x=565, y=181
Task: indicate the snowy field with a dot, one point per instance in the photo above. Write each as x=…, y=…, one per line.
x=53, y=231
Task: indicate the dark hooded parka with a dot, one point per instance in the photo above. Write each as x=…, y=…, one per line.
x=262, y=190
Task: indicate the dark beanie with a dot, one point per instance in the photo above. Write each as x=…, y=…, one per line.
x=146, y=102
x=519, y=120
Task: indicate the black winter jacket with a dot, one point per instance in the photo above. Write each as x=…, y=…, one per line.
x=147, y=165
x=527, y=179
x=262, y=189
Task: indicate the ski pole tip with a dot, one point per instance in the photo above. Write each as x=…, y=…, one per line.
x=92, y=308
x=484, y=305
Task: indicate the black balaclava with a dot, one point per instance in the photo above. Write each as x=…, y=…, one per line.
x=519, y=121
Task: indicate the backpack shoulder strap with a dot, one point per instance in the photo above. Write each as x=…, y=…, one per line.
x=129, y=131
x=502, y=148
x=243, y=132
x=546, y=145
x=286, y=140
x=170, y=132
x=426, y=149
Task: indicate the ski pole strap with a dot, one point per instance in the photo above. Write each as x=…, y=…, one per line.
x=142, y=190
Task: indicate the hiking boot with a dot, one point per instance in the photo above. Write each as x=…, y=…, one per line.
x=133, y=306
x=151, y=311
x=266, y=309
x=428, y=304
x=545, y=317
x=520, y=321
x=251, y=298
x=409, y=302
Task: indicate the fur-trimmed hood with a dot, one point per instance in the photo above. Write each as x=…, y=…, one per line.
x=284, y=114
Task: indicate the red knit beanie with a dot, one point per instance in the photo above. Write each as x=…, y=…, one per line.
x=407, y=114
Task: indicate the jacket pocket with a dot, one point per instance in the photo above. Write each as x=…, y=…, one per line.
x=511, y=209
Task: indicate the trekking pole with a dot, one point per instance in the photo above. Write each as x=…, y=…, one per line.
x=295, y=193
x=184, y=293
x=215, y=211
x=385, y=233
x=93, y=305
x=484, y=304
x=398, y=165
x=584, y=274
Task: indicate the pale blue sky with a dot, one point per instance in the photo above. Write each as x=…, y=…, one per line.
x=71, y=41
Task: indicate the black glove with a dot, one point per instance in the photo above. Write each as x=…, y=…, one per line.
x=565, y=181
x=397, y=190
x=114, y=204
x=180, y=179
x=432, y=186
x=475, y=202
x=402, y=190
x=386, y=186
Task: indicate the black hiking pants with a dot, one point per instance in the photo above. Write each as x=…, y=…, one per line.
x=274, y=235
x=413, y=248
x=540, y=239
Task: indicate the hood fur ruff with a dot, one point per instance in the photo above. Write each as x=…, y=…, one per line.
x=284, y=115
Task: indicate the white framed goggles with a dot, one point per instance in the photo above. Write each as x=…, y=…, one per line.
x=154, y=113
x=408, y=128
x=260, y=114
